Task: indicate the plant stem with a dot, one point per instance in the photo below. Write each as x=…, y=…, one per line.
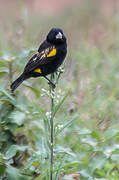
x=52, y=92
x=10, y=72
x=52, y=89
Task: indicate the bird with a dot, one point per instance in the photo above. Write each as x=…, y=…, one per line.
x=50, y=55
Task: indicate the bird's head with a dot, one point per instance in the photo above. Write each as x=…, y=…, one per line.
x=56, y=36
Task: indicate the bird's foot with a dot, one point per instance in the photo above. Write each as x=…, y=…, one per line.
x=52, y=84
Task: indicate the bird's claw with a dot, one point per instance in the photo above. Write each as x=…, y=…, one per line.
x=52, y=84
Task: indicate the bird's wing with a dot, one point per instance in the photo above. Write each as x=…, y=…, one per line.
x=43, y=57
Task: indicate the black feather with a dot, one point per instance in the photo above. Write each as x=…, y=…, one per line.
x=42, y=60
x=17, y=82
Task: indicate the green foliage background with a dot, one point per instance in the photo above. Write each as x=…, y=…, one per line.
x=87, y=121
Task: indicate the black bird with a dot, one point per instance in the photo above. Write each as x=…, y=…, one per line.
x=49, y=57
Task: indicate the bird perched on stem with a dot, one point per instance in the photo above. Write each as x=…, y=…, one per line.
x=49, y=57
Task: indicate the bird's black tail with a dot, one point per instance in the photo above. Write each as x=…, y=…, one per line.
x=17, y=82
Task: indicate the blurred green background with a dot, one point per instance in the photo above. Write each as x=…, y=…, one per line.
x=89, y=144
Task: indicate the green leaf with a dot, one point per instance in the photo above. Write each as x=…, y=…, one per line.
x=17, y=117
x=84, y=131
x=13, y=150
x=89, y=141
x=2, y=63
x=96, y=135
x=67, y=124
x=108, y=150
x=29, y=85
x=115, y=157
x=111, y=133
x=85, y=173
x=97, y=163
x=3, y=72
x=7, y=57
x=4, y=92
x=6, y=70
x=2, y=169
x=60, y=149
x=46, y=125
x=73, y=164
x=57, y=107
x=14, y=174
x=59, y=168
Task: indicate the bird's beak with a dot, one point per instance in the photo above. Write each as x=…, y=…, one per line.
x=59, y=35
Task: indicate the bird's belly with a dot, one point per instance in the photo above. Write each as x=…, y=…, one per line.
x=52, y=67
x=49, y=68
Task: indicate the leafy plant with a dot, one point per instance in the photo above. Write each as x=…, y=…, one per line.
x=85, y=129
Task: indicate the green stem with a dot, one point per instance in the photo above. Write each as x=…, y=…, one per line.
x=52, y=89
x=10, y=72
x=52, y=92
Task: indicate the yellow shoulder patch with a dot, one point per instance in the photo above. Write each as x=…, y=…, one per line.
x=44, y=55
x=52, y=53
x=38, y=70
x=49, y=52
